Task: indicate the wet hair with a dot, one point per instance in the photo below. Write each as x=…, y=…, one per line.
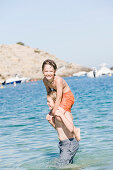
x=50, y=62
x=53, y=95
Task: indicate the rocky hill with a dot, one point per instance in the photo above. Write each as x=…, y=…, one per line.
x=27, y=62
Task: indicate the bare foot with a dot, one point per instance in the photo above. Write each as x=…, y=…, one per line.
x=77, y=134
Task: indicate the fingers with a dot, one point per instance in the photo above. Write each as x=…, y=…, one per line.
x=49, y=117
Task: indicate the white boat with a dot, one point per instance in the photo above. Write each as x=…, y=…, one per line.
x=16, y=79
x=79, y=74
x=102, y=71
x=92, y=73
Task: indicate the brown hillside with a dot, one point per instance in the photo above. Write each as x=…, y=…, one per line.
x=27, y=62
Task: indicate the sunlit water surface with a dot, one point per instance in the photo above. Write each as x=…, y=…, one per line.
x=28, y=142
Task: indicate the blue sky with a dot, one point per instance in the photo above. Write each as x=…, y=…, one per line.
x=78, y=31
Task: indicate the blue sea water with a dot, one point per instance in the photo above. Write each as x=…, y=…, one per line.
x=28, y=142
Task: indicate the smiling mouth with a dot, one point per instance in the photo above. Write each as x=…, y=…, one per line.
x=49, y=77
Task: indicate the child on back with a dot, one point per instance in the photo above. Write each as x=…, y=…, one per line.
x=63, y=123
x=64, y=96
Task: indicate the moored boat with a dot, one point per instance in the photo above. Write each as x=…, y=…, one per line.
x=16, y=79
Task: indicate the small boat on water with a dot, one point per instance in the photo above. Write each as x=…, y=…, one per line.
x=79, y=74
x=102, y=71
x=16, y=79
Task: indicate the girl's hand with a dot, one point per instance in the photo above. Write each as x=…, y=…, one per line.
x=49, y=117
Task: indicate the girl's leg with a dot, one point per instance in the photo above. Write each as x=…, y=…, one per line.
x=76, y=130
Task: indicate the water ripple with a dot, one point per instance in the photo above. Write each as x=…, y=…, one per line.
x=27, y=141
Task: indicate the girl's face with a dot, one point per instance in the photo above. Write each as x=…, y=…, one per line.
x=50, y=102
x=49, y=72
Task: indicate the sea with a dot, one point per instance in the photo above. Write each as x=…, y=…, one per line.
x=29, y=142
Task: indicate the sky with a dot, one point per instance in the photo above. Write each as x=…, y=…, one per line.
x=76, y=31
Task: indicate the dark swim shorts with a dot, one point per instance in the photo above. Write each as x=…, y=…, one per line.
x=68, y=149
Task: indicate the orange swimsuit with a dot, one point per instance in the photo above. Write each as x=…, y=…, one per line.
x=67, y=101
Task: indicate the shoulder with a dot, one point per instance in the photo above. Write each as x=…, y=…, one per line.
x=58, y=79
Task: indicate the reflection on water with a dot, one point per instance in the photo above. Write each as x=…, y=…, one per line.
x=27, y=141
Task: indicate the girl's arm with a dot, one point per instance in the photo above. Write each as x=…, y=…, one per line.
x=59, y=89
x=48, y=89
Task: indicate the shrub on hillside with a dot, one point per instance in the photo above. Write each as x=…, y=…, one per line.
x=20, y=43
x=36, y=50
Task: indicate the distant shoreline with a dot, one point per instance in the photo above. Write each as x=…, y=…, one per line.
x=27, y=62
